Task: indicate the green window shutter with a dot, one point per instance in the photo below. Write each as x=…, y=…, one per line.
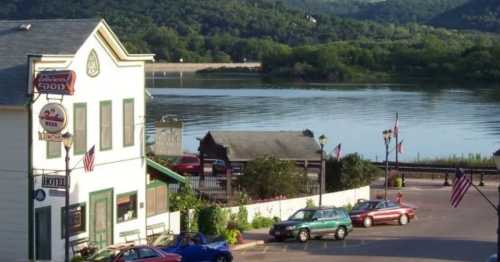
x=128, y=122
x=106, y=123
x=80, y=128
x=53, y=149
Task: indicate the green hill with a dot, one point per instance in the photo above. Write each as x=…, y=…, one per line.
x=483, y=15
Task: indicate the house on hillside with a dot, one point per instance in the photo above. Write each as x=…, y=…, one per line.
x=72, y=76
x=236, y=148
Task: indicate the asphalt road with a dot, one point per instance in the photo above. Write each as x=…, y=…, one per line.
x=440, y=233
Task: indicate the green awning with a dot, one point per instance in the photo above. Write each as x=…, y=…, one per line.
x=165, y=171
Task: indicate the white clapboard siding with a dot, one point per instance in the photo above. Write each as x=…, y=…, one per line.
x=14, y=185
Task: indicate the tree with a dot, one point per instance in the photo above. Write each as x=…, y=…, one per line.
x=267, y=177
x=350, y=172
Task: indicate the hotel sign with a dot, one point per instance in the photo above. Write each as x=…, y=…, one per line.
x=49, y=181
x=55, y=82
x=53, y=118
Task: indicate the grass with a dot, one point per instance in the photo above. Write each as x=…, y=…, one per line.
x=471, y=160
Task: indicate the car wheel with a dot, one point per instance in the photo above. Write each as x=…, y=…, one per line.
x=403, y=219
x=367, y=222
x=341, y=233
x=303, y=235
x=221, y=258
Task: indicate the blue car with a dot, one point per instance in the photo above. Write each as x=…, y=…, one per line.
x=195, y=247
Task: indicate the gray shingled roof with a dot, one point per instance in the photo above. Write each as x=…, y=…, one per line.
x=49, y=37
x=285, y=145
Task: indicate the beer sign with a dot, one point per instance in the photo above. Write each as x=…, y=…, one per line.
x=55, y=82
x=53, y=118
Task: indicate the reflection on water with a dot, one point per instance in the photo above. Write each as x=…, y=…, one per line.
x=434, y=121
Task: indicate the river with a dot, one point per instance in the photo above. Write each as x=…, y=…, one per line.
x=435, y=120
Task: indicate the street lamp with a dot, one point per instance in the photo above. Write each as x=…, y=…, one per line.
x=496, y=156
x=387, y=140
x=67, y=142
x=322, y=142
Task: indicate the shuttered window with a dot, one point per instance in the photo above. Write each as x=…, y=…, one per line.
x=128, y=122
x=80, y=128
x=156, y=198
x=53, y=149
x=106, y=131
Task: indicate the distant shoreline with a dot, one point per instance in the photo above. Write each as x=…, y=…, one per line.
x=194, y=67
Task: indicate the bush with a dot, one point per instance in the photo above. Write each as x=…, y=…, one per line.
x=77, y=259
x=397, y=182
x=240, y=219
x=231, y=236
x=351, y=172
x=268, y=177
x=348, y=207
x=212, y=220
x=261, y=222
x=310, y=203
x=184, y=200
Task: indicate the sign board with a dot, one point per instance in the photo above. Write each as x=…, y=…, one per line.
x=39, y=195
x=55, y=82
x=53, y=118
x=50, y=137
x=57, y=193
x=49, y=181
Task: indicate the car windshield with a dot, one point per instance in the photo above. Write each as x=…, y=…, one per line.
x=365, y=205
x=303, y=215
x=165, y=240
x=104, y=255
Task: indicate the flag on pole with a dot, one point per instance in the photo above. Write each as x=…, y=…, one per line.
x=396, y=126
x=338, y=151
x=88, y=160
x=399, y=147
x=460, y=187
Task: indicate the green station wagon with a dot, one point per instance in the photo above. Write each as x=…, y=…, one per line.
x=313, y=222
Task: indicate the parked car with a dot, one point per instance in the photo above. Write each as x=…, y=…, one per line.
x=187, y=164
x=313, y=222
x=219, y=167
x=141, y=253
x=196, y=247
x=367, y=213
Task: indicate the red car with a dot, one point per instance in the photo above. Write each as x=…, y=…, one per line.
x=187, y=164
x=368, y=213
x=133, y=253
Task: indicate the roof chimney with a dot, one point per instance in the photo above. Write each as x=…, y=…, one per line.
x=24, y=27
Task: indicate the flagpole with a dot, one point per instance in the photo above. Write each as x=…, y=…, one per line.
x=485, y=197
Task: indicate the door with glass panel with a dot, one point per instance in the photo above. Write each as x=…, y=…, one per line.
x=101, y=218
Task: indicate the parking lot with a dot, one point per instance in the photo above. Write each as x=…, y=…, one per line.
x=440, y=233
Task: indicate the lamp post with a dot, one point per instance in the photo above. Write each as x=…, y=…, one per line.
x=496, y=156
x=387, y=140
x=322, y=141
x=67, y=141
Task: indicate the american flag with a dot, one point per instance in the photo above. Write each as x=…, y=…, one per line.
x=399, y=147
x=88, y=160
x=338, y=151
x=396, y=126
x=460, y=187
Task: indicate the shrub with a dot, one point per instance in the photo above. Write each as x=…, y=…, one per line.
x=351, y=172
x=240, y=219
x=397, y=182
x=231, y=235
x=77, y=259
x=268, y=177
x=348, y=207
x=184, y=200
x=310, y=203
x=261, y=222
x=212, y=220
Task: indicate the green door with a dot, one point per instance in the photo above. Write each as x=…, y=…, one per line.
x=101, y=218
x=43, y=233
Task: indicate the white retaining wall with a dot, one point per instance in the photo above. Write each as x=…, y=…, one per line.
x=285, y=208
x=172, y=221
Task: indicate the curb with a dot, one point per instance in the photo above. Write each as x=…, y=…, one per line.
x=247, y=245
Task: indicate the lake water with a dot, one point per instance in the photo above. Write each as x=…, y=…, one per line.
x=434, y=120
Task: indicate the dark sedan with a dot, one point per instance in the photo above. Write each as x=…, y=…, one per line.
x=368, y=213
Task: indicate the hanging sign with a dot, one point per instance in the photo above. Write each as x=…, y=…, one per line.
x=55, y=82
x=53, y=181
x=50, y=137
x=53, y=118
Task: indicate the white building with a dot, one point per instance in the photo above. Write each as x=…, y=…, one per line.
x=107, y=110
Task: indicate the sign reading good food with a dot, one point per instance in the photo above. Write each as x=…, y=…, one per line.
x=55, y=82
x=53, y=118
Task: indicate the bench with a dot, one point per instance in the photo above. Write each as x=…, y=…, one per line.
x=78, y=245
x=131, y=236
